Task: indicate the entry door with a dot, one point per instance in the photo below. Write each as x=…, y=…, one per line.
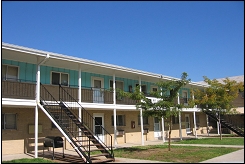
x=98, y=96
x=187, y=122
x=98, y=122
x=157, y=128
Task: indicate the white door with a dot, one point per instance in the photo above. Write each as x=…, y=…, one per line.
x=157, y=128
x=98, y=130
x=98, y=95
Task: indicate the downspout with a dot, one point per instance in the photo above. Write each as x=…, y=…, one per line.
x=141, y=118
x=114, y=111
x=37, y=102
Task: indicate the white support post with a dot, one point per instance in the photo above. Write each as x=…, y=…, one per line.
x=36, y=131
x=114, y=111
x=80, y=97
x=141, y=118
x=37, y=97
x=180, y=129
x=207, y=124
x=195, y=125
x=163, y=133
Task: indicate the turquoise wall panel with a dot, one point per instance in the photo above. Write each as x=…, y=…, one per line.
x=27, y=71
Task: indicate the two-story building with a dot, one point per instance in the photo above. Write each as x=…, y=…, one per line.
x=49, y=94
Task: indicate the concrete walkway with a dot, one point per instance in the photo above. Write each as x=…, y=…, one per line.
x=234, y=157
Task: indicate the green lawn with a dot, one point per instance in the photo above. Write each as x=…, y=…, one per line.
x=213, y=141
x=177, y=154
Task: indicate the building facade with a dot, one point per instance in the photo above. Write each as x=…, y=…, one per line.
x=31, y=78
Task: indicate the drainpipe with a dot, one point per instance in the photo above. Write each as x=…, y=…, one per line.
x=114, y=111
x=37, y=102
x=141, y=118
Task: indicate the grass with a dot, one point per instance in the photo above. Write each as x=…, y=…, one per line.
x=179, y=154
x=213, y=141
x=29, y=160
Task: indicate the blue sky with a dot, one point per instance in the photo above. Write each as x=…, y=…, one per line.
x=202, y=38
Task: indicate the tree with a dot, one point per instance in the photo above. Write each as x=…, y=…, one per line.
x=165, y=106
x=218, y=96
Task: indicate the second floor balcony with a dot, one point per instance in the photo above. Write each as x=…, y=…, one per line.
x=23, y=89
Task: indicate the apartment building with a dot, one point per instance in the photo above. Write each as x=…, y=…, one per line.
x=49, y=94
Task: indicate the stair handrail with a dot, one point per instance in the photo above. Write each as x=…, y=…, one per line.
x=73, y=143
x=74, y=100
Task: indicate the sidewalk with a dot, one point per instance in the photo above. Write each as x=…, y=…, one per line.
x=234, y=157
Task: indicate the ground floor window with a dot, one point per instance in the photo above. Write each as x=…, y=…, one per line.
x=120, y=120
x=145, y=120
x=8, y=121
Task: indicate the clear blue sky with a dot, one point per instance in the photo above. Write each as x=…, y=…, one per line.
x=202, y=38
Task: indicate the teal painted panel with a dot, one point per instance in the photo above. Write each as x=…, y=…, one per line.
x=106, y=82
x=73, y=77
x=4, y=61
x=16, y=63
x=22, y=73
x=86, y=79
x=45, y=74
x=30, y=72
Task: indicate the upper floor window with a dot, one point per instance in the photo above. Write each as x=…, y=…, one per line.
x=9, y=72
x=59, y=78
x=9, y=121
x=119, y=84
x=185, y=96
x=145, y=120
x=143, y=88
x=120, y=120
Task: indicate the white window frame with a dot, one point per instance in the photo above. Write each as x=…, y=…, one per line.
x=4, y=121
x=6, y=73
x=60, y=74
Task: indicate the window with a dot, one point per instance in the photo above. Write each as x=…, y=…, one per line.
x=175, y=119
x=197, y=119
x=120, y=120
x=9, y=72
x=143, y=88
x=59, y=78
x=119, y=84
x=145, y=120
x=185, y=97
x=8, y=121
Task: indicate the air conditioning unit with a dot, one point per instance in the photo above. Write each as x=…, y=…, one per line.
x=120, y=132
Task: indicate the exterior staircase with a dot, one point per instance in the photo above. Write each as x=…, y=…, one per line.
x=225, y=123
x=77, y=130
